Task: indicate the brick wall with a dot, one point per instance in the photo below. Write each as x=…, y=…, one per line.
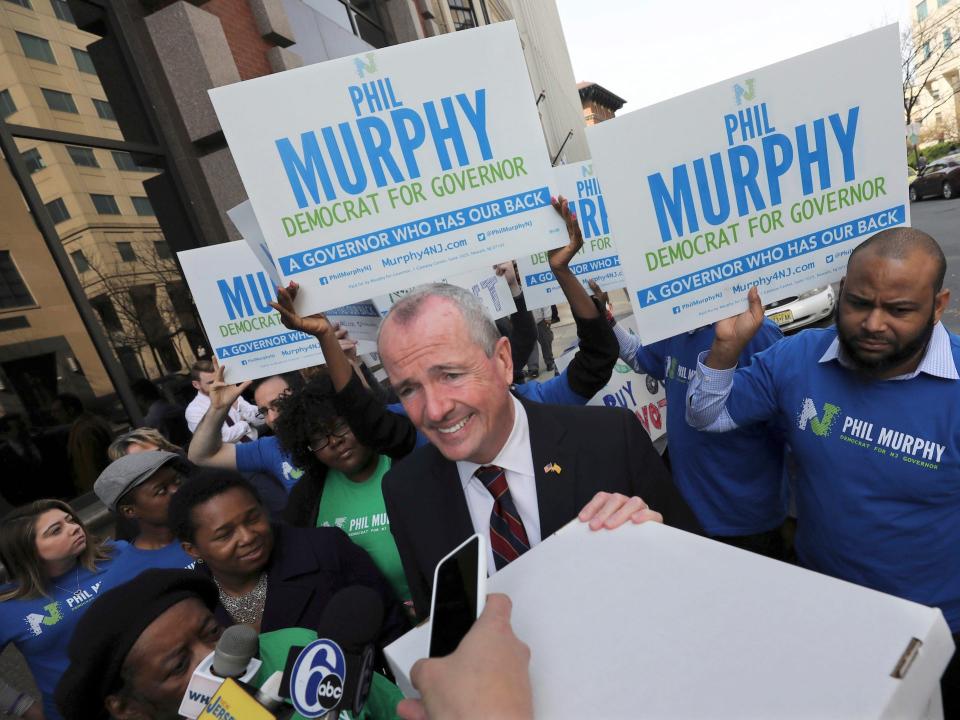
x=248, y=48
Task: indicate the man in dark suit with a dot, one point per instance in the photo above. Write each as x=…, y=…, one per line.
x=513, y=471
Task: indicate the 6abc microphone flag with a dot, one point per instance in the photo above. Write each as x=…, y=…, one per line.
x=330, y=674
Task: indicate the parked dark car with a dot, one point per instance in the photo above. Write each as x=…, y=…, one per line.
x=941, y=178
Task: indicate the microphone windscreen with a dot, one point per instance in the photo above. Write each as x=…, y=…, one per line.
x=352, y=617
x=235, y=649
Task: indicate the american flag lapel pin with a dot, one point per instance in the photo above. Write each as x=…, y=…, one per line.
x=552, y=468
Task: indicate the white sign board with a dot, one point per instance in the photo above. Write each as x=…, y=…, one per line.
x=232, y=293
x=598, y=260
x=378, y=172
x=360, y=319
x=639, y=393
x=769, y=179
x=649, y=621
x=492, y=289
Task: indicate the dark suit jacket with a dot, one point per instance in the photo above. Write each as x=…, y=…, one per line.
x=597, y=449
x=307, y=566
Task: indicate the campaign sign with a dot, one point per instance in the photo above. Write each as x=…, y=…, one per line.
x=232, y=293
x=492, y=289
x=360, y=319
x=598, y=260
x=377, y=172
x=769, y=179
x=641, y=394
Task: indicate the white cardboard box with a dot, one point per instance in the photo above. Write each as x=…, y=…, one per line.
x=649, y=621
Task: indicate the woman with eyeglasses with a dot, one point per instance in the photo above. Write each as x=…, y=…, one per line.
x=341, y=482
x=57, y=570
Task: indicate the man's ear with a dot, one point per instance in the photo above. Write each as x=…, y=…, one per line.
x=196, y=384
x=121, y=707
x=940, y=303
x=503, y=355
x=128, y=511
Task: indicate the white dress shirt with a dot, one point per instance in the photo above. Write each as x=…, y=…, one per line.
x=244, y=415
x=516, y=458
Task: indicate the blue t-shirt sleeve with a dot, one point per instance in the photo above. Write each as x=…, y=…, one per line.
x=555, y=391
x=251, y=458
x=753, y=397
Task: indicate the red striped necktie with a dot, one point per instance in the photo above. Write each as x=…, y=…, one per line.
x=508, y=538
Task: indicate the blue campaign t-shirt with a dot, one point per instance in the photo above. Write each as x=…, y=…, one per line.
x=41, y=628
x=878, y=486
x=266, y=455
x=133, y=560
x=555, y=391
x=734, y=482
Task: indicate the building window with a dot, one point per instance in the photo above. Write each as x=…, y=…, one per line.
x=22, y=3
x=126, y=251
x=124, y=160
x=80, y=261
x=84, y=61
x=107, y=312
x=463, y=16
x=33, y=160
x=947, y=38
x=941, y=3
x=82, y=156
x=13, y=291
x=105, y=204
x=922, y=11
x=62, y=11
x=58, y=210
x=163, y=250
x=36, y=48
x=927, y=52
x=60, y=101
x=104, y=110
x=142, y=206
x=7, y=106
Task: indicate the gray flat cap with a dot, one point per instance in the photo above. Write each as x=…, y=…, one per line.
x=128, y=472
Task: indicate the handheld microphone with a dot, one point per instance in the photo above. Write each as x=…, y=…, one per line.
x=234, y=650
x=334, y=672
x=232, y=658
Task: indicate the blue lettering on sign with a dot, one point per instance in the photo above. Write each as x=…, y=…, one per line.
x=592, y=214
x=380, y=240
x=788, y=250
x=389, y=144
x=685, y=204
x=238, y=291
x=588, y=267
x=267, y=343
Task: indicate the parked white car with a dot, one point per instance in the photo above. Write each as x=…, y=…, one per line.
x=793, y=313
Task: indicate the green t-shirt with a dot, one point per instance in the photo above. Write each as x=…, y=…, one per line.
x=358, y=509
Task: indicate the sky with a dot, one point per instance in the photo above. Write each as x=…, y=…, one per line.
x=646, y=51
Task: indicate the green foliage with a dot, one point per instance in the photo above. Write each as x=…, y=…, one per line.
x=931, y=152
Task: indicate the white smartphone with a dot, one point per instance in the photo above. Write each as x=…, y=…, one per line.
x=459, y=592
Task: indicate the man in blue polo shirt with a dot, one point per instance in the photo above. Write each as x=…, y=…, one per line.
x=734, y=483
x=872, y=413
